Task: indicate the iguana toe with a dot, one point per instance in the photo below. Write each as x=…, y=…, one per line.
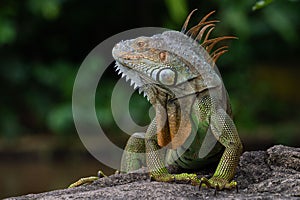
x=183, y=177
x=84, y=181
x=87, y=180
x=217, y=183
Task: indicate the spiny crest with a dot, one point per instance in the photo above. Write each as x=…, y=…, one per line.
x=124, y=74
x=201, y=33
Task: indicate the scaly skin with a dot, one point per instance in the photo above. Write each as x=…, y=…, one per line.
x=193, y=126
x=182, y=83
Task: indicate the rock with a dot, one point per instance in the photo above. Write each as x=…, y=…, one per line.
x=271, y=174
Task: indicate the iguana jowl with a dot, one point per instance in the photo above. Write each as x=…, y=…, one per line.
x=177, y=72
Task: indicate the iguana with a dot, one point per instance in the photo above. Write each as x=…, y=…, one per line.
x=193, y=126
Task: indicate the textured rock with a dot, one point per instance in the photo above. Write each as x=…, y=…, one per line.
x=271, y=174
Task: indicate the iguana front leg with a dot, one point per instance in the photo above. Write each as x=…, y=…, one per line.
x=225, y=132
x=155, y=160
x=134, y=156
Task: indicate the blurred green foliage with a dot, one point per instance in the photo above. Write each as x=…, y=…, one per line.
x=50, y=9
x=43, y=43
x=261, y=4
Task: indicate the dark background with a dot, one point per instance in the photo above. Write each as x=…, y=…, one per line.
x=42, y=44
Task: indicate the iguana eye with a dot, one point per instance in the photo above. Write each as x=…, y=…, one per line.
x=163, y=55
x=167, y=77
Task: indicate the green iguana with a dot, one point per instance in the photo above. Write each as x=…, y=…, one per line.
x=193, y=126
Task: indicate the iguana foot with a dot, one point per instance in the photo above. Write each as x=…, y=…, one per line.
x=83, y=181
x=217, y=183
x=87, y=180
x=184, y=177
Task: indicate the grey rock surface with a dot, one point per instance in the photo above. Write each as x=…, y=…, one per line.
x=271, y=174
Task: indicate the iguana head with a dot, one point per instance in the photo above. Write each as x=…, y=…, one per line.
x=169, y=60
x=158, y=61
x=173, y=64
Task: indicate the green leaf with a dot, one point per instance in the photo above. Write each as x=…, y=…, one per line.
x=260, y=4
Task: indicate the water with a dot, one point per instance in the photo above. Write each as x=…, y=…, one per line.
x=24, y=176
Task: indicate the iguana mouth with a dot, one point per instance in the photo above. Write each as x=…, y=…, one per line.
x=139, y=81
x=132, y=75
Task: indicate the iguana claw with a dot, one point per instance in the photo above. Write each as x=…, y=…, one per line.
x=217, y=183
